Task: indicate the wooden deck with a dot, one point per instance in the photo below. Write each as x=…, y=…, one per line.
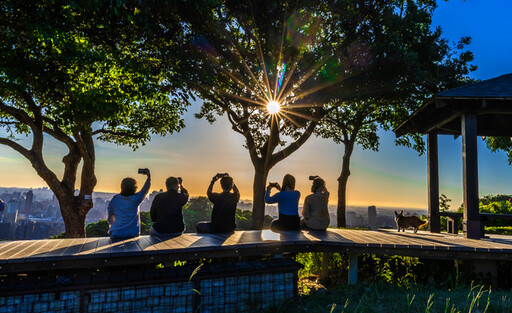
x=38, y=255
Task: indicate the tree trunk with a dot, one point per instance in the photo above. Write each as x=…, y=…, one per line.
x=74, y=211
x=342, y=185
x=258, y=205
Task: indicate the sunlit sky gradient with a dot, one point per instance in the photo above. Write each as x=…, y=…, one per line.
x=394, y=176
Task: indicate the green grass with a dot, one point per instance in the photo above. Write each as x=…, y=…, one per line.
x=382, y=297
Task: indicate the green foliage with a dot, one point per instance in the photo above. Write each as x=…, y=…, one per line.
x=145, y=223
x=499, y=230
x=99, y=229
x=496, y=204
x=381, y=297
x=244, y=220
x=496, y=144
x=196, y=210
x=200, y=209
x=394, y=270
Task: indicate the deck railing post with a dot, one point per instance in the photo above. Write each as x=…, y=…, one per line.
x=471, y=223
x=352, y=268
x=433, y=183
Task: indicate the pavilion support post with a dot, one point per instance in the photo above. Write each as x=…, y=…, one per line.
x=471, y=223
x=352, y=268
x=433, y=183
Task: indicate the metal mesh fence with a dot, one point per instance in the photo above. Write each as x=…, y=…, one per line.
x=223, y=287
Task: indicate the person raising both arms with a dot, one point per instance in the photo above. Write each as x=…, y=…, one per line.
x=224, y=206
x=166, y=209
x=123, y=210
x=287, y=200
x=315, y=210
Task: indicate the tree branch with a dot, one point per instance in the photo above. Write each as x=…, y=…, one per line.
x=292, y=147
x=18, y=114
x=17, y=147
x=103, y=131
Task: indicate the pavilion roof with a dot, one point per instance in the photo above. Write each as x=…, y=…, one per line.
x=490, y=100
x=498, y=87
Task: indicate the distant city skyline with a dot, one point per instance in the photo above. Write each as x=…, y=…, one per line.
x=393, y=177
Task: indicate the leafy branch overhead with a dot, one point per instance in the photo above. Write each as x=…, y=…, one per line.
x=79, y=72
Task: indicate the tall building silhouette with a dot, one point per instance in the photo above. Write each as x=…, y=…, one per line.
x=372, y=216
x=12, y=212
x=29, y=200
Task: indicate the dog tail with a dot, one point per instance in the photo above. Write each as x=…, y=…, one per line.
x=425, y=222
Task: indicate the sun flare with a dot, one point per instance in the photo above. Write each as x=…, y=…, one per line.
x=273, y=107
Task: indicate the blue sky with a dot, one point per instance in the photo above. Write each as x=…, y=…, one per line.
x=394, y=176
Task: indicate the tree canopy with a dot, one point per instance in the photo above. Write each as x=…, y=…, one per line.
x=311, y=58
x=420, y=62
x=80, y=71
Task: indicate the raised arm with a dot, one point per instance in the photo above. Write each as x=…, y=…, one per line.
x=235, y=189
x=139, y=196
x=209, y=192
x=184, y=192
x=271, y=199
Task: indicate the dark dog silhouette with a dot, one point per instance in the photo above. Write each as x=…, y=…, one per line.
x=403, y=222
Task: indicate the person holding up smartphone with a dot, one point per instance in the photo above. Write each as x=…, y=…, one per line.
x=123, y=210
x=224, y=206
x=287, y=200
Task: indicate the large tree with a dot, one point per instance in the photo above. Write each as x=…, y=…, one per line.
x=251, y=54
x=81, y=71
x=306, y=57
x=422, y=63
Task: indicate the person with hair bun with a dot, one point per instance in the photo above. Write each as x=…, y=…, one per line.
x=224, y=206
x=315, y=212
x=287, y=200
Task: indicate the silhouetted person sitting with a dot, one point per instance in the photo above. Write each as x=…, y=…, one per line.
x=224, y=206
x=315, y=211
x=287, y=200
x=166, y=209
x=123, y=209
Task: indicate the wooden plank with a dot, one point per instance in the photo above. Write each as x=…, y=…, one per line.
x=73, y=250
x=206, y=241
x=88, y=248
x=117, y=248
x=12, y=247
x=103, y=248
x=249, y=243
x=131, y=247
x=57, y=251
x=45, y=247
x=6, y=245
x=146, y=246
x=180, y=242
x=21, y=251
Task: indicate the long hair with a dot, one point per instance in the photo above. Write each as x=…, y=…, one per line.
x=288, y=181
x=317, y=183
x=128, y=186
